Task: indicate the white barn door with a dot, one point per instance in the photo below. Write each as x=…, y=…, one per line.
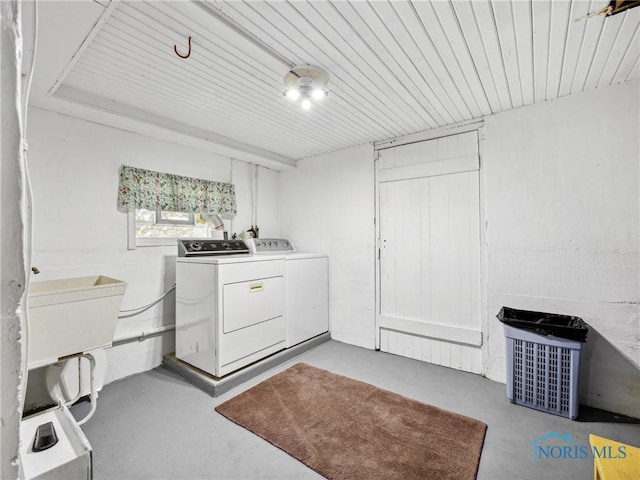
x=429, y=252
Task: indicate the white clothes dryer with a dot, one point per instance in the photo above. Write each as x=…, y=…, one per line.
x=229, y=305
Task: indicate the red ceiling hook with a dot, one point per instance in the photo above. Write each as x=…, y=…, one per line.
x=175, y=49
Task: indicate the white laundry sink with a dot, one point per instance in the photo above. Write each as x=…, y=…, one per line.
x=72, y=315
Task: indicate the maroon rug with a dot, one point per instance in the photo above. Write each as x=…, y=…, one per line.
x=346, y=429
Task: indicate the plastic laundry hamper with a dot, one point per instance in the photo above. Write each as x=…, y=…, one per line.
x=543, y=370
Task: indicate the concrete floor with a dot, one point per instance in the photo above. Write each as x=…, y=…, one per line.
x=157, y=426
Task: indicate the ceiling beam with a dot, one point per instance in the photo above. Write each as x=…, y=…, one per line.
x=132, y=119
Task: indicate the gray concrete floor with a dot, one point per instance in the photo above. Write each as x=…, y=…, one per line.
x=157, y=426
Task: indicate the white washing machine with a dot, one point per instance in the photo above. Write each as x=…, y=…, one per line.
x=306, y=288
x=229, y=305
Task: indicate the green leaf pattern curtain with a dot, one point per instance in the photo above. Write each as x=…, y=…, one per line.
x=140, y=188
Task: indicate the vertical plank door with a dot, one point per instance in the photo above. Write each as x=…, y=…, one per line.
x=429, y=251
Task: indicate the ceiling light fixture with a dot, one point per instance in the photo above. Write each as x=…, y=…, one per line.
x=305, y=84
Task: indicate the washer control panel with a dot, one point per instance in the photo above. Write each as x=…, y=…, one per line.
x=201, y=247
x=270, y=245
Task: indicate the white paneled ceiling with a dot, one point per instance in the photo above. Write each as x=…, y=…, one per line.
x=395, y=67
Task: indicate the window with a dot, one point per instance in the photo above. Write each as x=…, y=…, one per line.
x=162, y=207
x=160, y=228
x=174, y=218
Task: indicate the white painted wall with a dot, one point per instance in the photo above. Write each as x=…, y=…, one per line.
x=560, y=187
x=562, y=198
x=79, y=231
x=327, y=205
x=12, y=261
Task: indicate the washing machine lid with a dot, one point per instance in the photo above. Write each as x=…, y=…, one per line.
x=304, y=255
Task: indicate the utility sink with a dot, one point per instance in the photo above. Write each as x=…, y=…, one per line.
x=72, y=315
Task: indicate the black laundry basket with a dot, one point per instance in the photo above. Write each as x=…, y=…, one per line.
x=543, y=359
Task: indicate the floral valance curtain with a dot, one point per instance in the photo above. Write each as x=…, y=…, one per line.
x=140, y=188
